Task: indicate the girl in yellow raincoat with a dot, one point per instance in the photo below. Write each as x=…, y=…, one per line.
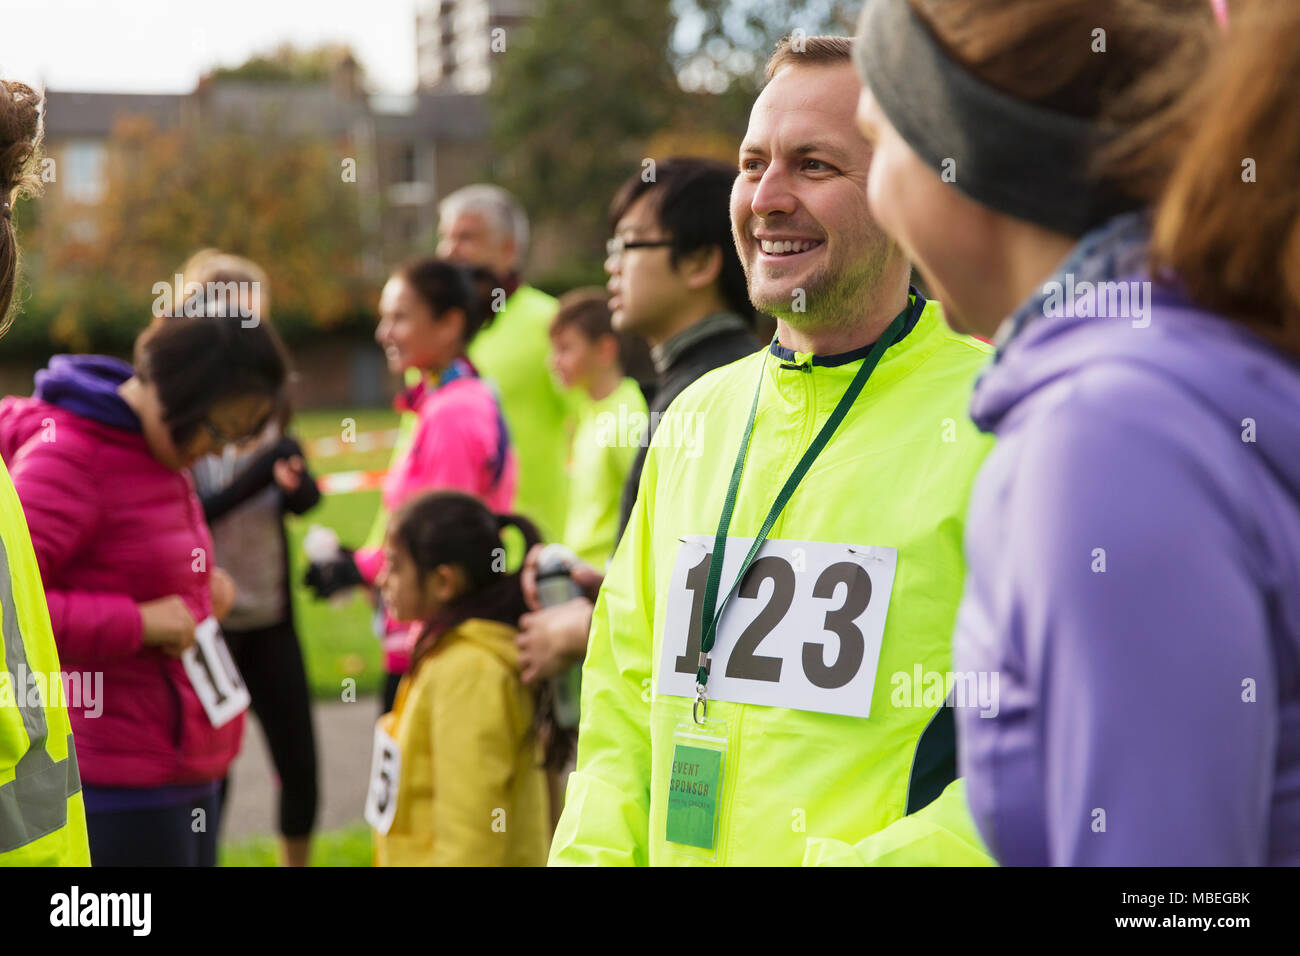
x=457, y=776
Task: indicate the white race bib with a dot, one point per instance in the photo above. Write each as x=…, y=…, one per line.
x=385, y=770
x=213, y=674
x=803, y=629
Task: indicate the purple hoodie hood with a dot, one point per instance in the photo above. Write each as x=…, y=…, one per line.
x=87, y=385
x=1216, y=363
x=1133, y=554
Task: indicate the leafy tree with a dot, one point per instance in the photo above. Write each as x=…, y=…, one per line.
x=170, y=193
x=588, y=90
x=576, y=95
x=289, y=64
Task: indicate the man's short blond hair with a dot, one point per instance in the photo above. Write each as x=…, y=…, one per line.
x=809, y=51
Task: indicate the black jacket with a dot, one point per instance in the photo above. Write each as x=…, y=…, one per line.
x=714, y=351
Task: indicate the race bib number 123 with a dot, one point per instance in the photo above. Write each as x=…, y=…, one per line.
x=803, y=629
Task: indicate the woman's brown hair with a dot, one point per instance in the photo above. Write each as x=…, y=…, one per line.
x=1223, y=168
x=1188, y=106
x=20, y=143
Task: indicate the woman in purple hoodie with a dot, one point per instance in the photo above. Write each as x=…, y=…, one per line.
x=1129, y=226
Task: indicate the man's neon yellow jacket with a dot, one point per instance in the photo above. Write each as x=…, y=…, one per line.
x=511, y=352
x=799, y=786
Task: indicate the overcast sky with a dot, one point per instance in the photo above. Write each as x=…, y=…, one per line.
x=162, y=46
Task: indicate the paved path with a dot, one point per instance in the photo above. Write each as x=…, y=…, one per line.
x=344, y=735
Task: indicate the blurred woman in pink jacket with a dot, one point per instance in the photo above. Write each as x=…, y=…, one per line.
x=429, y=311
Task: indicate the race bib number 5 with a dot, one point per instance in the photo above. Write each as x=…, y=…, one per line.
x=385, y=770
x=213, y=674
x=803, y=629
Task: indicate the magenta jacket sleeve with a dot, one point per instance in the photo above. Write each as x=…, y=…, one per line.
x=62, y=517
x=369, y=561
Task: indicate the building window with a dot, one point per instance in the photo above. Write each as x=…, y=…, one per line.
x=81, y=172
x=407, y=169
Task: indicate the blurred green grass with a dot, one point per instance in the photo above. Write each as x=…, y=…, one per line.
x=347, y=846
x=338, y=642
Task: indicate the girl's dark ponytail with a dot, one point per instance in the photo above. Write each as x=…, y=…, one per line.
x=454, y=528
x=557, y=742
x=525, y=527
x=450, y=527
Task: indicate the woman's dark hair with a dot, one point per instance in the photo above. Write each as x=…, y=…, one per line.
x=20, y=142
x=197, y=363
x=451, y=527
x=443, y=285
x=692, y=202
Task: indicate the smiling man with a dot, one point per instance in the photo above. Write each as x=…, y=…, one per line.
x=825, y=521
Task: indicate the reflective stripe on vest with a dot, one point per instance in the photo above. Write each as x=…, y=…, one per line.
x=35, y=802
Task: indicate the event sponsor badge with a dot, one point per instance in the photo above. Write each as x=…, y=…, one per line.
x=213, y=674
x=803, y=630
x=694, y=787
x=385, y=770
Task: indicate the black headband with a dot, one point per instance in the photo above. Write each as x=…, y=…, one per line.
x=1024, y=160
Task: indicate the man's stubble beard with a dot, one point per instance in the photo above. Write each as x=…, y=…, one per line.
x=835, y=297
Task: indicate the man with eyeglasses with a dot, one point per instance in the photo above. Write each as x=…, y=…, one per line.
x=675, y=280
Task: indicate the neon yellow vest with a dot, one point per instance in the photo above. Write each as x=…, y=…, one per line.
x=800, y=787
x=42, y=816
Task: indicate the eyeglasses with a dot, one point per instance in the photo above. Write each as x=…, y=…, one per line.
x=221, y=440
x=615, y=247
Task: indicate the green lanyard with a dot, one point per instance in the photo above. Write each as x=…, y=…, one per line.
x=823, y=437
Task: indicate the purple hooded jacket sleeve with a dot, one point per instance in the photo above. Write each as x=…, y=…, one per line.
x=1120, y=602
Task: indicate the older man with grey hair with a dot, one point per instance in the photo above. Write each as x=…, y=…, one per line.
x=483, y=225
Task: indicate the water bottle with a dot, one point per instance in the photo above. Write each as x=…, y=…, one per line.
x=555, y=585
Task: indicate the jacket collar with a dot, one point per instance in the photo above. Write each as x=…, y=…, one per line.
x=668, y=353
x=915, y=307
x=410, y=399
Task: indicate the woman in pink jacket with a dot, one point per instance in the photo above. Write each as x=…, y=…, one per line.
x=98, y=456
x=429, y=311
